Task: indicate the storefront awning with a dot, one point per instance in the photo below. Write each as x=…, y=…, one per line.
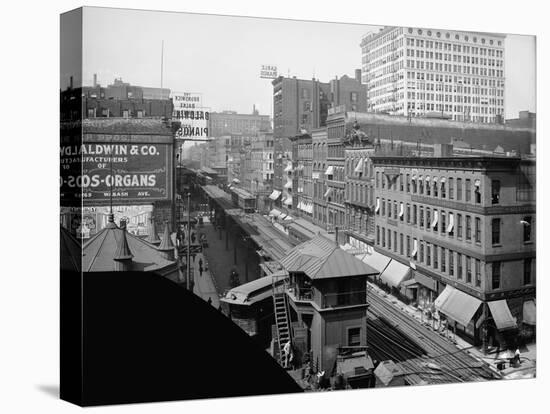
x=427, y=178
x=274, y=213
x=395, y=273
x=477, y=183
x=330, y=170
x=377, y=205
x=457, y=305
x=288, y=184
x=529, y=312
x=236, y=180
x=401, y=210
x=288, y=201
x=315, y=175
x=288, y=167
x=328, y=192
x=501, y=315
x=442, y=180
x=415, y=249
x=451, y=223
x=359, y=167
x=435, y=179
x=275, y=195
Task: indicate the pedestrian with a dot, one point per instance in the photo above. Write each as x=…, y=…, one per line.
x=200, y=271
x=209, y=300
x=517, y=357
x=200, y=262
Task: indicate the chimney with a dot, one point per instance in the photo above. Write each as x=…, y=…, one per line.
x=70, y=82
x=123, y=255
x=95, y=80
x=152, y=236
x=358, y=75
x=336, y=236
x=166, y=246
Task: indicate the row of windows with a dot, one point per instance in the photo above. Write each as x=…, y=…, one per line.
x=441, y=221
x=439, y=188
x=463, y=37
x=446, y=261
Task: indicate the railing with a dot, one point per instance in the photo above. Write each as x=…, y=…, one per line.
x=300, y=292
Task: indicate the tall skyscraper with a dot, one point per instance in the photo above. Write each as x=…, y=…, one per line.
x=430, y=72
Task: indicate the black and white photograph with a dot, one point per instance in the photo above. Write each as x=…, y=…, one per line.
x=272, y=208
x=365, y=216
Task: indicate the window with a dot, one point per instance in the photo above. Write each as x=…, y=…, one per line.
x=377, y=179
x=389, y=239
x=91, y=112
x=421, y=259
x=408, y=246
x=443, y=264
x=427, y=189
x=478, y=273
x=383, y=206
x=408, y=213
x=458, y=189
x=468, y=269
x=468, y=190
x=468, y=228
x=459, y=226
x=527, y=271
x=105, y=113
x=451, y=263
x=140, y=113
x=428, y=254
x=383, y=237
x=459, y=265
x=378, y=235
x=527, y=221
x=443, y=223
x=383, y=181
x=435, y=188
x=478, y=229
x=436, y=262
x=495, y=230
x=495, y=192
x=353, y=96
x=395, y=210
x=495, y=280
x=395, y=241
x=354, y=336
x=436, y=222
x=421, y=220
x=414, y=219
x=408, y=183
x=125, y=113
x=443, y=190
x=477, y=193
x=401, y=244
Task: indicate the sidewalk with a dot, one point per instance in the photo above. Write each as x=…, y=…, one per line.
x=527, y=368
x=204, y=286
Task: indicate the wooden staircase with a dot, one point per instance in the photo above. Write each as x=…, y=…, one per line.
x=282, y=322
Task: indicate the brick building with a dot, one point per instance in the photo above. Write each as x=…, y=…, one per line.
x=466, y=226
x=300, y=105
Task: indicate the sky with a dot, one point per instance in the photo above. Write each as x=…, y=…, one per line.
x=221, y=57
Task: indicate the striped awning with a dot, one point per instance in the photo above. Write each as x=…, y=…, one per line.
x=457, y=305
x=275, y=195
x=501, y=315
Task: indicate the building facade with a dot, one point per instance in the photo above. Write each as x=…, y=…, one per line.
x=417, y=71
x=466, y=226
x=299, y=106
x=319, y=166
x=360, y=201
x=231, y=122
x=302, y=153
